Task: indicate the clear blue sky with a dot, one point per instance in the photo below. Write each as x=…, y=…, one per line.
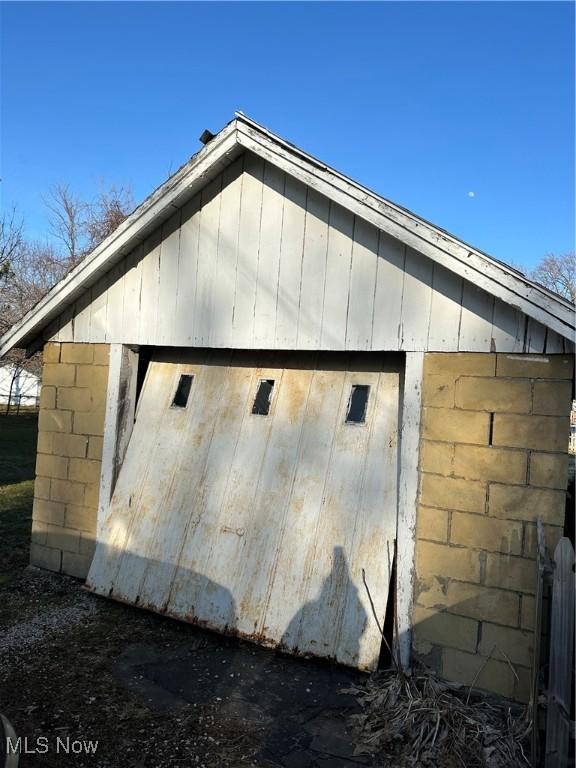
x=423, y=102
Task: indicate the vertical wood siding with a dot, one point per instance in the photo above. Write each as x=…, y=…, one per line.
x=259, y=260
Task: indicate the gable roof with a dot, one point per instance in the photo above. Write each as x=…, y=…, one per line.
x=242, y=134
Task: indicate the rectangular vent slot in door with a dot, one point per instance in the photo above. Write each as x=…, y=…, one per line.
x=357, y=404
x=182, y=391
x=263, y=397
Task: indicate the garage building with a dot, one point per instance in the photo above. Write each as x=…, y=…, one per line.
x=270, y=385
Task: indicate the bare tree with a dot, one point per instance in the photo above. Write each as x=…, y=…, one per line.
x=34, y=268
x=29, y=269
x=79, y=225
x=10, y=240
x=109, y=210
x=67, y=220
x=558, y=272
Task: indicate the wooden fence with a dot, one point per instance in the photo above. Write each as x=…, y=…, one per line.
x=553, y=669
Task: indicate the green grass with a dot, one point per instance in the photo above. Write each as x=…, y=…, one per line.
x=18, y=436
x=17, y=460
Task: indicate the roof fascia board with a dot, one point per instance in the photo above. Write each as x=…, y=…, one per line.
x=479, y=269
x=172, y=194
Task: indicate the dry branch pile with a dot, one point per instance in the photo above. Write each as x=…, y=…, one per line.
x=418, y=720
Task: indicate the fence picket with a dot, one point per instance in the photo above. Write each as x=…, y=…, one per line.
x=561, y=648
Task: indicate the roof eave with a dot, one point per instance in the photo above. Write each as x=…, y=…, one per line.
x=157, y=207
x=242, y=134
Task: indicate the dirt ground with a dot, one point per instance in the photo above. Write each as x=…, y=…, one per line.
x=155, y=692
x=152, y=692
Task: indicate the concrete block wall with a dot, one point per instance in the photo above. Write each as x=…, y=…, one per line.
x=493, y=457
x=70, y=430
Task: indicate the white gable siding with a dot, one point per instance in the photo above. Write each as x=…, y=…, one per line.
x=258, y=260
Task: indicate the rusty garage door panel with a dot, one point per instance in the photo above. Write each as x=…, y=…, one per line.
x=255, y=489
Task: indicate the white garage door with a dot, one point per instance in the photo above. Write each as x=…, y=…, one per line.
x=255, y=490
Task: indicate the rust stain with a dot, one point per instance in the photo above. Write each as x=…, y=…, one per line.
x=228, y=529
x=294, y=394
x=258, y=638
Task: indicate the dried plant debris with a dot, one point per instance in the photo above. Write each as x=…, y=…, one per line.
x=419, y=720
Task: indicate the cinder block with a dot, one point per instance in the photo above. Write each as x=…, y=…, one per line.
x=74, y=399
x=528, y=612
x=48, y=398
x=67, y=492
x=438, y=390
x=87, y=544
x=515, y=502
x=84, y=470
x=502, y=642
x=59, y=374
x=437, y=458
x=51, y=353
x=76, y=564
x=488, y=463
x=45, y=440
x=460, y=363
x=88, y=423
x=38, y=535
x=45, y=557
x=51, y=466
x=474, y=601
x=535, y=366
x=95, y=377
x=506, y=572
x=552, y=535
x=81, y=518
x=431, y=592
x=434, y=559
x=62, y=538
x=91, y=496
x=486, y=533
x=55, y=421
x=432, y=524
x=444, y=629
x=77, y=353
x=482, y=603
x=541, y=433
x=99, y=396
x=455, y=426
x=48, y=511
x=449, y=493
x=552, y=398
x=95, y=447
x=493, y=394
x=101, y=354
x=471, y=669
x=70, y=445
x=42, y=488
x=549, y=470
